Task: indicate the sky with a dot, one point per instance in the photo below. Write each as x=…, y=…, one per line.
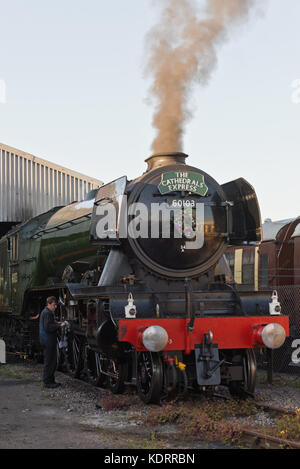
x=73, y=91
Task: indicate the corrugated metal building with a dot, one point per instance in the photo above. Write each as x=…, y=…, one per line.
x=30, y=186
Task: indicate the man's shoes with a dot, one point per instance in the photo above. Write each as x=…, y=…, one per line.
x=52, y=385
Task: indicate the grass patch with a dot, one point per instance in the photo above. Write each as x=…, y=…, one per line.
x=212, y=420
x=287, y=427
x=11, y=372
x=295, y=384
x=205, y=419
x=116, y=402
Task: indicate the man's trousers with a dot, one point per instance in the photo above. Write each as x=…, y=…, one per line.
x=50, y=362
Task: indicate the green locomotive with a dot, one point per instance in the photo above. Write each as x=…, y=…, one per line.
x=145, y=305
x=36, y=257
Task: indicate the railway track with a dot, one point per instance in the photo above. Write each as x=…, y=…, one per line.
x=254, y=438
x=258, y=440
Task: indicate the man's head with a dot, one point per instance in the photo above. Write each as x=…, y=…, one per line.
x=51, y=303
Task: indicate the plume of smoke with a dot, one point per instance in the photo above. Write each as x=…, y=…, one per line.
x=182, y=51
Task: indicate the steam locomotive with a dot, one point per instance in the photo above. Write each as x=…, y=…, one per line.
x=139, y=271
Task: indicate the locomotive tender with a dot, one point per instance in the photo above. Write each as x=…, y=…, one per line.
x=141, y=277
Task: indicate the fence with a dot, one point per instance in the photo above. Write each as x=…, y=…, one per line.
x=287, y=358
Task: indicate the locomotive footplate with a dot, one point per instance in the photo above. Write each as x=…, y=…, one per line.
x=207, y=362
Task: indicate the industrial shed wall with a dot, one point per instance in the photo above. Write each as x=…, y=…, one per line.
x=30, y=186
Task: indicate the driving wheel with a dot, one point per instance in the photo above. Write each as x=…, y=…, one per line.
x=149, y=378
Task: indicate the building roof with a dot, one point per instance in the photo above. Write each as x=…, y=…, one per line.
x=30, y=186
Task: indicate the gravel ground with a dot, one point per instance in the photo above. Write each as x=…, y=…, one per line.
x=283, y=392
x=75, y=416
x=78, y=415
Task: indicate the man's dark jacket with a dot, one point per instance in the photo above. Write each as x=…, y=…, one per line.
x=48, y=327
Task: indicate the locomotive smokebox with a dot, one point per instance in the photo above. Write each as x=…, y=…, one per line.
x=159, y=160
x=183, y=213
x=177, y=220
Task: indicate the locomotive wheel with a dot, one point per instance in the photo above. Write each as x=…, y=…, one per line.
x=74, y=356
x=247, y=386
x=182, y=383
x=170, y=387
x=117, y=374
x=95, y=376
x=149, y=379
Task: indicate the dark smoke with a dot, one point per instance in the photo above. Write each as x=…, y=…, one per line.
x=182, y=52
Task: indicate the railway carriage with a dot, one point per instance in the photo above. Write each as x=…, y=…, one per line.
x=272, y=263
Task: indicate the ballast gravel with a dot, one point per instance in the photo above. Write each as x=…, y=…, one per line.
x=79, y=415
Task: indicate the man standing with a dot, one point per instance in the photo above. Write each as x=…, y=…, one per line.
x=48, y=339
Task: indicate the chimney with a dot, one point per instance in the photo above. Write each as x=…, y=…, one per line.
x=165, y=159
